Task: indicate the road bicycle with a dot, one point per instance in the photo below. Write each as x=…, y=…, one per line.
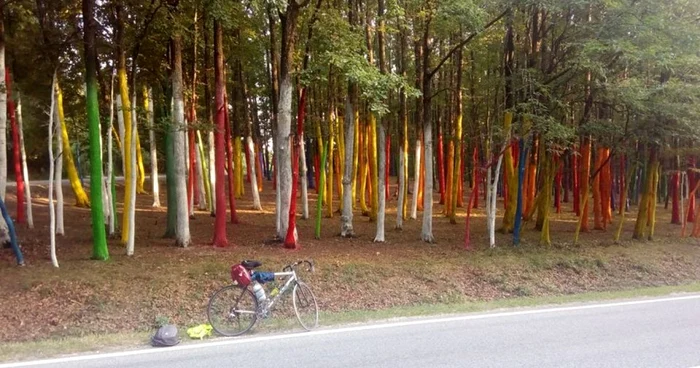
x=234, y=309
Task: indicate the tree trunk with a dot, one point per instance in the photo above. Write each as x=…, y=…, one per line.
x=132, y=187
x=510, y=178
x=110, y=166
x=220, y=239
x=148, y=102
x=3, y=110
x=21, y=217
x=52, y=165
x=416, y=180
x=25, y=172
x=182, y=227
x=81, y=198
x=99, y=239
x=346, y=228
x=58, y=174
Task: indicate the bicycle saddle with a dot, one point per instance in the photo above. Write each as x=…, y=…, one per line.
x=250, y=264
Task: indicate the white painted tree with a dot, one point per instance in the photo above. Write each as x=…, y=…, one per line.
x=52, y=164
x=58, y=173
x=254, y=175
x=25, y=171
x=122, y=130
x=148, y=101
x=491, y=195
x=110, y=166
x=132, y=187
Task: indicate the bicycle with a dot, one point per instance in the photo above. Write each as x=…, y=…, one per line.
x=234, y=309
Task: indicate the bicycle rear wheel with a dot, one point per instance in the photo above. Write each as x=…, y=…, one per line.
x=232, y=311
x=305, y=306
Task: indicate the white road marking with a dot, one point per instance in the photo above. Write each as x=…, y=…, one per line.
x=244, y=340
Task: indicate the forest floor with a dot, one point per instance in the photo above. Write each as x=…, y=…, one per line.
x=131, y=295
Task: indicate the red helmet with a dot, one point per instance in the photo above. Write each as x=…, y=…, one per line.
x=240, y=275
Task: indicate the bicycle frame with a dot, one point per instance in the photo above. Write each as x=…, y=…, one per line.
x=292, y=278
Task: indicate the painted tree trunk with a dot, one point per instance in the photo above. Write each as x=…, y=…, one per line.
x=52, y=165
x=238, y=167
x=231, y=176
x=623, y=198
x=363, y=168
x=3, y=114
x=141, y=170
x=531, y=177
x=331, y=162
x=427, y=228
x=606, y=188
x=456, y=155
x=304, y=179
x=421, y=176
x=321, y=183
x=201, y=187
x=148, y=104
x=58, y=174
x=19, y=175
x=182, y=227
x=692, y=181
x=126, y=112
x=212, y=171
x=205, y=172
x=575, y=159
x=346, y=228
x=517, y=225
x=642, y=223
x=291, y=240
x=81, y=198
x=558, y=188
x=25, y=172
x=584, y=187
x=130, y=243
x=373, y=166
x=220, y=137
x=546, y=198
x=110, y=163
x=475, y=175
x=416, y=180
x=511, y=179
x=675, y=192
x=381, y=183
x=254, y=177
x=491, y=196
x=99, y=239
x=122, y=130
x=441, y=165
x=597, y=198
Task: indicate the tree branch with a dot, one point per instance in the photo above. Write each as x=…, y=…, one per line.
x=464, y=42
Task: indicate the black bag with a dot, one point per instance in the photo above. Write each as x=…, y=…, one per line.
x=166, y=336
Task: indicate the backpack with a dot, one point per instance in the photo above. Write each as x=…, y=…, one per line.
x=165, y=336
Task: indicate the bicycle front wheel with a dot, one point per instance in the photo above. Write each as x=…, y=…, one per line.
x=232, y=311
x=305, y=306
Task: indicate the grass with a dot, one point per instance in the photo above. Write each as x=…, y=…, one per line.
x=95, y=343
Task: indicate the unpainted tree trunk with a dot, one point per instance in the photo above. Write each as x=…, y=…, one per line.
x=346, y=228
x=182, y=227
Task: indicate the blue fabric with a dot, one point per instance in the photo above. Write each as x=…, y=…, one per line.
x=263, y=277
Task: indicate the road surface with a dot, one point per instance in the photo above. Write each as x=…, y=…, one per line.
x=661, y=332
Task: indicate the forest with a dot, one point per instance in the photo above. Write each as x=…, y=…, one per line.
x=458, y=149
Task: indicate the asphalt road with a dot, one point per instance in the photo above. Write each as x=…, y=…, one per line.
x=642, y=333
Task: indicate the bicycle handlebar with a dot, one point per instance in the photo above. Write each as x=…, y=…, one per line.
x=309, y=262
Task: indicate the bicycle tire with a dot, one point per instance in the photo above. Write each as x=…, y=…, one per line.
x=227, y=306
x=305, y=306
